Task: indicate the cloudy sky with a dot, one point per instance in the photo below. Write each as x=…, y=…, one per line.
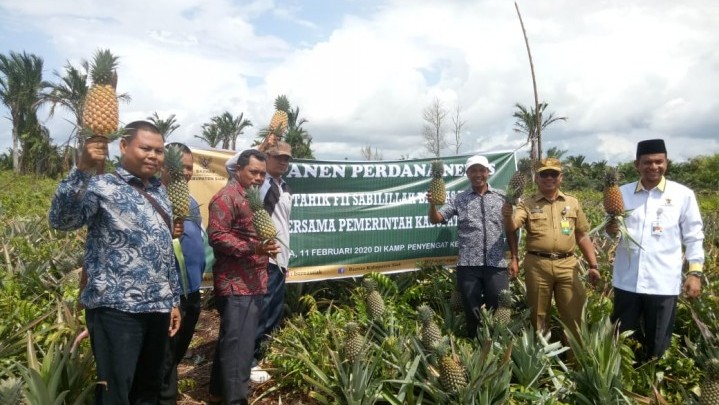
x=362, y=71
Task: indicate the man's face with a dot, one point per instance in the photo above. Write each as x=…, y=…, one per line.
x=478, y=176
x=253, y=174
x=549, y=181
x=143, y=155
x=277, y=165
x=652, y=167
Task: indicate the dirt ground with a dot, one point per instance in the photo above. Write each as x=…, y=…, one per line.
x=194, y=370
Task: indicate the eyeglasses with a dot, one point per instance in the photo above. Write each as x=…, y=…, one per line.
x=549, y=173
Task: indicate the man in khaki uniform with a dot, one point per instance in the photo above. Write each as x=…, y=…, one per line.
x=555, y=225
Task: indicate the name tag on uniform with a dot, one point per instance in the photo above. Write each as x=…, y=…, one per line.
x=657, y=228
x=535, y=210
x=566, y=227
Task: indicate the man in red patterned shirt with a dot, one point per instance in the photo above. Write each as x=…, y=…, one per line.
x=240, y=278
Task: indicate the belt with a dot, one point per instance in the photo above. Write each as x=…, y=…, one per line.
x=551, y=256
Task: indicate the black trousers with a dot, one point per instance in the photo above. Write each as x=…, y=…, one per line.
x=190, y=308
x=129, y=351
x=480, y=286
x=273, y=307
x=230, y=375
x=651, y=317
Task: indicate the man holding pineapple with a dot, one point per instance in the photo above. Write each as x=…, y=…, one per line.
x=277, y=201
x=132, y=292
x=555, y=225
x=190, y=265
x=482, y=269
x=663, y=217
x=240, y=277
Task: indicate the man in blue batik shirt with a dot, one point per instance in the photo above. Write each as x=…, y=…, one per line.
x=190, y=270
x=131, y=294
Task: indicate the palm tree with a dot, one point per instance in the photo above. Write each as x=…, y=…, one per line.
x=230, y=128
x=166, y=126
x=210, y=135
x=20, y=87
x=298, y=137
x=526, y=123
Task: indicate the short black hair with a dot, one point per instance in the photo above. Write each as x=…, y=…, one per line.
x=134, y=127
x=244, y=158
x=182, y=146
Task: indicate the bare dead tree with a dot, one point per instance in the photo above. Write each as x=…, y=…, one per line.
x=458, y=125
x=434, y=130
x=538, y=117
x=369, y=154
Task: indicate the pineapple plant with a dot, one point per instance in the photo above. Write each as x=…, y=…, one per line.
x=503, y=314
x=177, y=188
x=100, y=110
x=430, y=333
x=452, y=375
x=515, y=187
x=261, y=220
x=437, y=191
x=354, y=342
x=375, y=304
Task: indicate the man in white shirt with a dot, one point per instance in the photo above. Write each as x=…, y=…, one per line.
x=662, y=217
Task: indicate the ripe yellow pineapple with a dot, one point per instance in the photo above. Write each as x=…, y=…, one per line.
x=100, y=111
x=613, y=202
x=503, y=314
x=437, y=192
x=452, y=375
x=280, y=120
x=375, y=304
x=177, y=188
x=354, y=343
x=431, y=334
x=261, y=220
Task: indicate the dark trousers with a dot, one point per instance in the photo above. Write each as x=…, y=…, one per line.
x=190, y=308
x=129, y=351
x=480, y=286
x=651, y=317
x=273, y=307
x=230, y=375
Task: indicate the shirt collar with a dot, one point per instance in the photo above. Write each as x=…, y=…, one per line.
x=130, y=178
x=540, y=196
x=490, y=189
x=661, y=186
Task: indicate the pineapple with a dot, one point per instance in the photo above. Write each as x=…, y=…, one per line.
x=261, y=220
x=177, y=188
x=613, y=202
x=455, y=301
x=375, y=304
x=354, y=343
x=710, y=385
x=503, y=314
x=430, y=332
x=452, y=375
x=437, y=192
x=100, y=111
x=515, y=187
x=280, y=119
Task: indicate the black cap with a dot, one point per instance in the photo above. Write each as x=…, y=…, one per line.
x=651, y=146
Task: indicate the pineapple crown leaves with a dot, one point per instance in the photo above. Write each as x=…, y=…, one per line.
x=443, y=348
x=611, y=176
x=102, y=69
x=425, y=313
x=437, y=169
x=253, y=198
x=282, y=103
x=173, y=159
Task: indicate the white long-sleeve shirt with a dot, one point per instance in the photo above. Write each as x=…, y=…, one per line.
x=662, y=220
x=281, y=219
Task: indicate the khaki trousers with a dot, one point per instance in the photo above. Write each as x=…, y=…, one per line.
x=559, y=278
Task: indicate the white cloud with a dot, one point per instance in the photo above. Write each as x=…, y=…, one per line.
x=620, y=72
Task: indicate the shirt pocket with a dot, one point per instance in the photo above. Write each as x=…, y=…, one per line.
x=538, y=222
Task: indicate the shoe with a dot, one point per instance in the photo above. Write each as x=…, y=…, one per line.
x=259, y=376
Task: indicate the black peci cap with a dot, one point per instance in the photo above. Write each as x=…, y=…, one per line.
x=651, y=146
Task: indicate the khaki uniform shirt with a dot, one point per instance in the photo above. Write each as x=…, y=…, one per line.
x=551, y=226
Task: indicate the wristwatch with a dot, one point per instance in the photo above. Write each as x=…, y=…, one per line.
x=695, y=273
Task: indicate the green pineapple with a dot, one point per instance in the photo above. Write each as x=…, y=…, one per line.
x=515, y=187
x=354, y=343
x=452, y=375
x=375, y=304
x=503, y=314
x=430, y=332
x=437, y=191
x=710, y=384
x=177, y=187
x=455, y=300
x=261, y=220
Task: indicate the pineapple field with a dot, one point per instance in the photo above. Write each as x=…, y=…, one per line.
x=379, y=339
